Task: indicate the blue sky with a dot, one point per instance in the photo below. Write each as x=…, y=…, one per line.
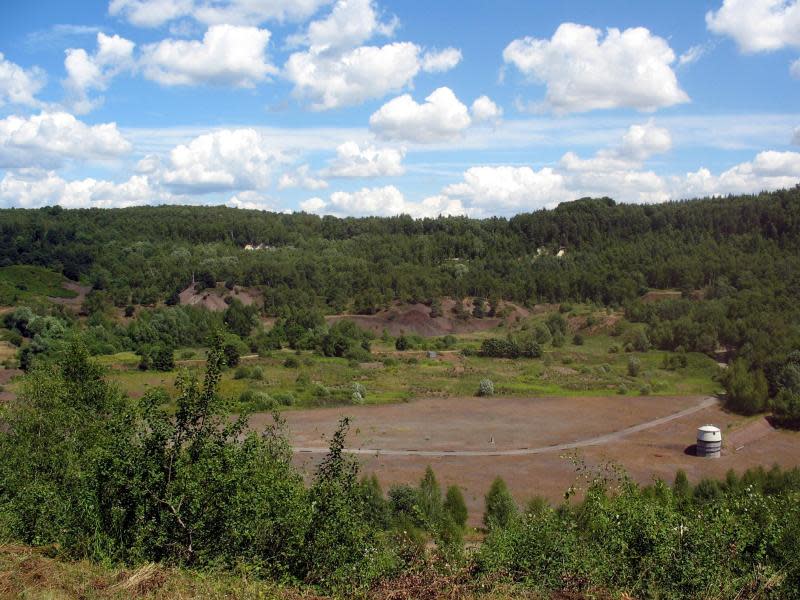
x=356, y=107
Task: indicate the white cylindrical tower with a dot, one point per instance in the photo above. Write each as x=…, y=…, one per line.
x=709, y=441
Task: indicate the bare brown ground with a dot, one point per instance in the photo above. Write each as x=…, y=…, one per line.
x=214, y=299
x=416, y=319
x=512, y=423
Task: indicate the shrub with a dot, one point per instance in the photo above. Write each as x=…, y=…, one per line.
x=500, y=506
x=577, y=339
x=634, y=366
x=673, y=362
x=291, y=363
x=746, y=390
x=401, y=343
x=558, y=339
x=284, y=398
x=358, y=388
x=622, y=389
x=187, y=354
x=486, y=388
x=645, y=390
x=162, y=359
x=257, y=401
x=257, y=373
x=242, y=373
x=129, y=310
x=455, y=505
x=231, y=352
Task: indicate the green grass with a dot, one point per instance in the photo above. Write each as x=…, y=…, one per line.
x=571, y=370
x=22, y=282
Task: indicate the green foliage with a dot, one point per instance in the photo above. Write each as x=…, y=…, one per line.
x=746, y=390
x=232, y=355
x=240, y=319
x=577, y=339
x=455, y=506
x=486, y=387
x=511, y=347
x=634, y=366
x=654, y=542
x=401, y=343
x=500, y=509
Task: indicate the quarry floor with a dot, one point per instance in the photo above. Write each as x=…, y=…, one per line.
x=531, y=443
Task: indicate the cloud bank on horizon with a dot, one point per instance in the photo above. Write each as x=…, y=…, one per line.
x=379, y=107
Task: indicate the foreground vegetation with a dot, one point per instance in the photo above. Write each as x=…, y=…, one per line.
x=95, y=476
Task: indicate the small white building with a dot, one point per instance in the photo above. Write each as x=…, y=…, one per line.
x=709, y=441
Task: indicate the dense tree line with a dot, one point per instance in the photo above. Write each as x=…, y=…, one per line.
x=614, y=252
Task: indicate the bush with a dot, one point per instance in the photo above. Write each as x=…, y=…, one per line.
x=673, y=362
x=257, y=401
x=358, y=388
x=231, y=352
x=500, y=508
x=402, y=343
x=558, y=339
x=486, y=388
x=291, y=363
x=162, y=359
x=242, y=373
x=455, y=505
x=746, y=390
x=284, y=398
x=634, y=366
x=577, y=339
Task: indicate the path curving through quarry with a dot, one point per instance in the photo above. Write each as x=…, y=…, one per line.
x=592, y=441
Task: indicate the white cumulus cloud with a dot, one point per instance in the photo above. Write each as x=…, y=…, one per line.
x=794, y=69
x=93, y=72
x=508, y=190
x=301, y=177
x=228, y=159
x=34, y=188
x=251, y=200
x=227, y=55
x=18, y=85
x=49, y=139
x=349, y=24
x=758, y=25
x=363, y=73
x=337, y=68
x=384, y=202
x=484, y=110
x=353, y=161
x=154, y=13
x=441, y=117
x=438, y=61
x=769, y=170
x=584, y=71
